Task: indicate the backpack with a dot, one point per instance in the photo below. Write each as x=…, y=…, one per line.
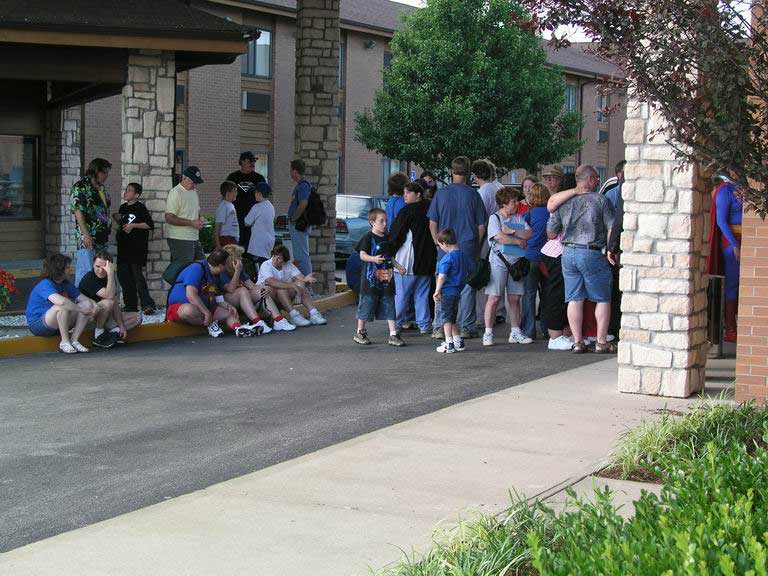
x=315, y=212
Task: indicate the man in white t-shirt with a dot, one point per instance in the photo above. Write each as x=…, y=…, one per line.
x=289, y=286
x=261, y=220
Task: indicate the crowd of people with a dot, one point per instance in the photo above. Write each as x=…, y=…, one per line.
x=541, y=258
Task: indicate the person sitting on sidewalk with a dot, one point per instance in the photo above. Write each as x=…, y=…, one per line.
x=289, y=286
x=100, y=285
x=249, y=298
x=194, y=298
x=377, y=286
x=55, y=306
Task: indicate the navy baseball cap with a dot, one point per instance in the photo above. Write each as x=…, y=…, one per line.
x=248, y=156
x=193, y=173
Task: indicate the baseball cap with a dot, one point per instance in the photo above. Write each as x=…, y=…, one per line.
x=248, y=155
x=193, y=173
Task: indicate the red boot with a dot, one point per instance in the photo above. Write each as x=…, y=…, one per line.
x=731, y=307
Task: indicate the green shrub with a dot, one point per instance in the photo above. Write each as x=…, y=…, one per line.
x=710, y=519
x=207, y=234
x=489, y=545
x=654, y=448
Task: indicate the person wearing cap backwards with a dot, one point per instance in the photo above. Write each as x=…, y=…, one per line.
x=246, y=179
x=182, y=218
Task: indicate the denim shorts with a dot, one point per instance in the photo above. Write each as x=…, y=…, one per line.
x=587, y=275
x=376, y=307
x=449, y=307
x=38, y=327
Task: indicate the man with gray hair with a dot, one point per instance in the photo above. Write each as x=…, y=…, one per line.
x=583, y=219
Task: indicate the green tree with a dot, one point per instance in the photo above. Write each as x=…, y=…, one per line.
x=465, y=79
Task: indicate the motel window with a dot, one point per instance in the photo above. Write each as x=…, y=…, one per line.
x=257, y=61
x=19, y=189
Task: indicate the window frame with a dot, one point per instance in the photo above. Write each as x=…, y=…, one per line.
x=571, y=104
x=252, y=51
x=37, y=175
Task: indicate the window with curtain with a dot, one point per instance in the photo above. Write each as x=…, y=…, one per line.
x=257, y=61
x=19, y=192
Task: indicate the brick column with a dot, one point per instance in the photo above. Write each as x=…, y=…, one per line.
x=752, y=343
x=317, y=123
x=63, y=167
x=148, y=149
x=663, y=328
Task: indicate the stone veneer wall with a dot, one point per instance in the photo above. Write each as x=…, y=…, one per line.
x=317, y=123
x=663, y=346
x=148, y=148
x=63, y=167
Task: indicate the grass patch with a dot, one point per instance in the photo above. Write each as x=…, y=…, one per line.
x=649, y=452
x=487, y=545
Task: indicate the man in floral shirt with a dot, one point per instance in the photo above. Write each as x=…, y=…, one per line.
x=90, y=205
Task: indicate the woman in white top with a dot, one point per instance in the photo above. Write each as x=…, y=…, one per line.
x=506, y=229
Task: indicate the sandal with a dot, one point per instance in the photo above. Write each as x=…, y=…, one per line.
x=605, y=348
x=79, y=347
x=67, y=348
x=579, y=348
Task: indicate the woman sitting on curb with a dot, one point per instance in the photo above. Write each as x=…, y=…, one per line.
x=55, y=306
x=250, y=298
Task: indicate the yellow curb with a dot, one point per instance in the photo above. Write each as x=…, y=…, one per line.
x=150, y=332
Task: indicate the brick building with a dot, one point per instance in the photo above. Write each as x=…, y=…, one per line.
x=249, y=105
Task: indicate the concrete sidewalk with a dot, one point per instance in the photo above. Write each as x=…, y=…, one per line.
x=355, y=505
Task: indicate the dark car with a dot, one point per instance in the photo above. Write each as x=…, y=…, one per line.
x=351, y=222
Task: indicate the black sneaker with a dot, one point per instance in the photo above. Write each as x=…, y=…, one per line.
x=500, y=320
x=361, y=337
x=105, y=340
x=149, y=310
x=395, y=340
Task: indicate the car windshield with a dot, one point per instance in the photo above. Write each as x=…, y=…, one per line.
x=347, y=207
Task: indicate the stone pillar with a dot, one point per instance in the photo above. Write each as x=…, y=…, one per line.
x=317, y=123
x=148, y=148
x=663, y=344
x=63, y=167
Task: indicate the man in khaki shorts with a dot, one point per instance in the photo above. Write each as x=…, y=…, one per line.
x=182, y=218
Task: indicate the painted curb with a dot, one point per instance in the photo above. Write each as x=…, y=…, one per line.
x=151, y=332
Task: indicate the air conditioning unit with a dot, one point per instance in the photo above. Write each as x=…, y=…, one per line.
x=257, y=102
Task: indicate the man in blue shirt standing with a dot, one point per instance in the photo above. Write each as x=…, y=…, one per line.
x=299, y=227
x=459, y=206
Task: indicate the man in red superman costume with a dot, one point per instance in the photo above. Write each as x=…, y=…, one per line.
x=725, y=246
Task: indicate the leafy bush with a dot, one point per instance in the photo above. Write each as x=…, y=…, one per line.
x=207, y=235
x=654, y=448
x=489, y=545
x=711, y=518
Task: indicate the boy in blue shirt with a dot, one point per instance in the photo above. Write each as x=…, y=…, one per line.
x=453, y=270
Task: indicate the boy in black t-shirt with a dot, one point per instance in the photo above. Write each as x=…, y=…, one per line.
x=132, y=242
x=377, y=287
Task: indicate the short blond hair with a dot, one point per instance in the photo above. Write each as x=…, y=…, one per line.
x=538, y=194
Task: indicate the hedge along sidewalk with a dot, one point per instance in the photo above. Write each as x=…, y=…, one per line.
x=151, y=332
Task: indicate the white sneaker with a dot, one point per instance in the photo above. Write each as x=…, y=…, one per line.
x=519, y=338
x=299, y=320
x=487, y=339
x=283, y=325
x=446, y=348
x=317, y=319
x=215, y=330
x=560, y=343
x=265, y=329
x=246, y=331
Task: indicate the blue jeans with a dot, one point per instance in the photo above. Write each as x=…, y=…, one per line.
x=467, y=319
x=412, y=292
x=300, y=243
x=587, y=275
x=372, y=307
x=83, y=263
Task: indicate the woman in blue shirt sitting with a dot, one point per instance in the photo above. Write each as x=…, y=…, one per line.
x=55, y=306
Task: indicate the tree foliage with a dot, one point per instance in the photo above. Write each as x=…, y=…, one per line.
x=703, y=64
x=466, y=80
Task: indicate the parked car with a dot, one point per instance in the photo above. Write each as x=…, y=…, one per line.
x=351, y=222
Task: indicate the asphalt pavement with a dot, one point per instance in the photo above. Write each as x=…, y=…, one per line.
x=90, y=437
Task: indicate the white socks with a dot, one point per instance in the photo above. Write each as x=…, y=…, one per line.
x=456, y=340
